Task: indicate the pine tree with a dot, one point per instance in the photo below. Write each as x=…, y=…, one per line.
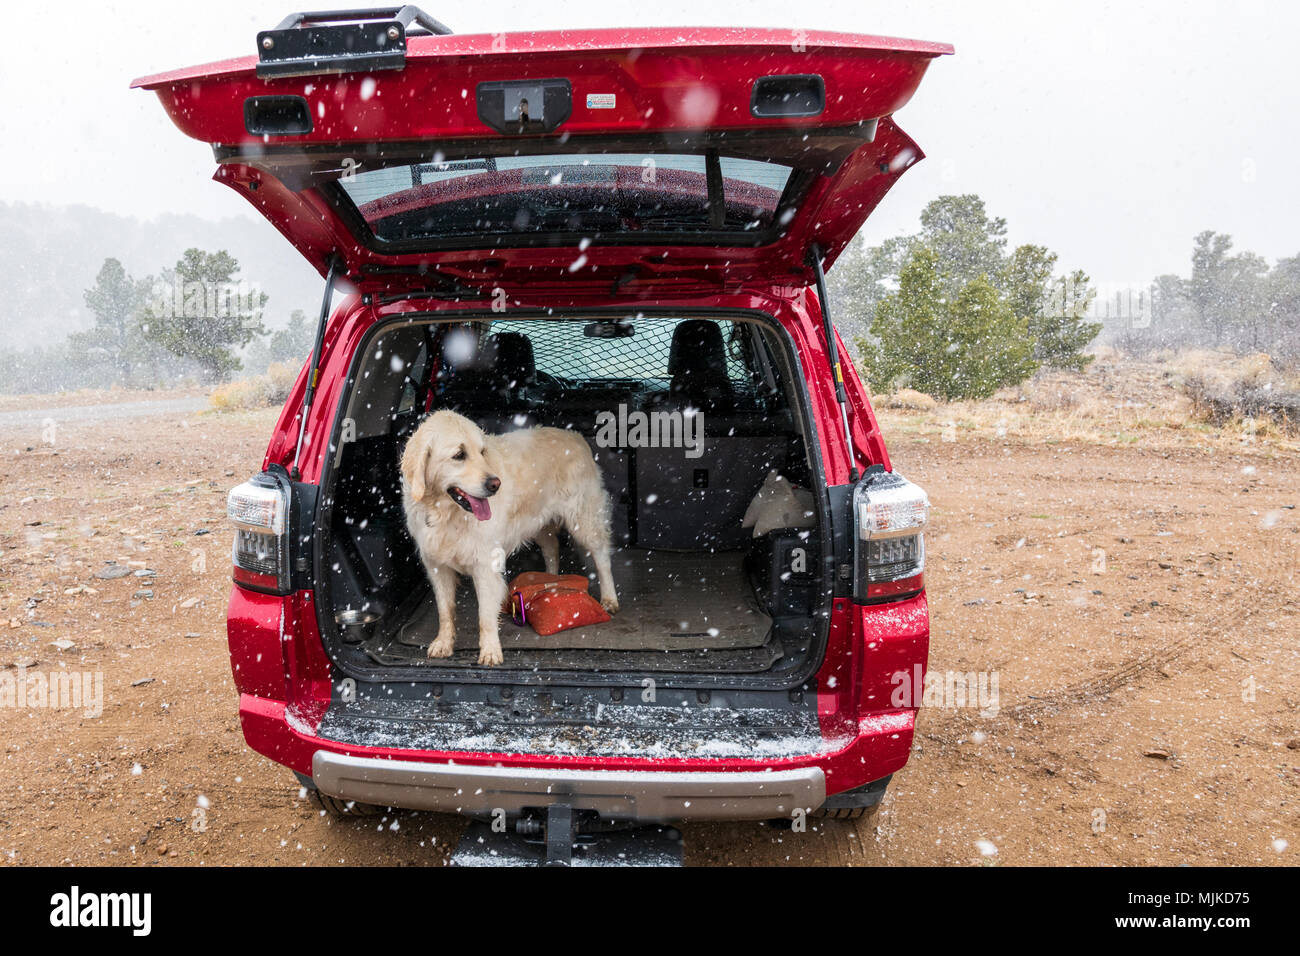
x=204, y=313
x=1055, y=308
x=115, y=301
x=294, y=342
x=963, y=263
x=967, y=346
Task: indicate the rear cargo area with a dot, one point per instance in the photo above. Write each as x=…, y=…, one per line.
x=697, y=427
x=680, y=612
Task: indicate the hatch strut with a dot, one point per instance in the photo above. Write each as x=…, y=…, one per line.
x=832, y=350
x=313, y=370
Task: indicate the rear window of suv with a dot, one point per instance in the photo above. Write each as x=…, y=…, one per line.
x=589, y=194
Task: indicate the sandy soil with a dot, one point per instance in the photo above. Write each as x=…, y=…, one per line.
x=1149, y=697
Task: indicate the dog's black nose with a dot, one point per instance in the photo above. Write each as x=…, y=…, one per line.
x=492, y=484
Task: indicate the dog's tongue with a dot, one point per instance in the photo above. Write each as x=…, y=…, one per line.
x=482, y=510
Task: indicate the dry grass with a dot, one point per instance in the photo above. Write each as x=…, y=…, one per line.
x=1117, y=400
x=1247, y=390
x=908, y=398
x=1221, y=366
x=256, y=391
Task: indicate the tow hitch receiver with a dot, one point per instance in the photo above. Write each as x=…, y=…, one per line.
x=562, y=836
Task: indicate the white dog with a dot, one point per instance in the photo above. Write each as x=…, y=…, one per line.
x=473, y=499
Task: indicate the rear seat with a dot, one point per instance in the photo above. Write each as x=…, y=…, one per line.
x=698, y=503
x=690, y=503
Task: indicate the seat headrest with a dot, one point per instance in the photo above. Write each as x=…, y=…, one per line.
x=509, y=358
x=697, y=363
x=697, y=350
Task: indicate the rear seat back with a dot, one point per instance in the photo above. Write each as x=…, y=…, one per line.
x=698, y=503
x=697, y=367
x=498, y=389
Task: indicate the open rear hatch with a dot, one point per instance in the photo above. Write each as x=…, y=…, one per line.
x=557, y=156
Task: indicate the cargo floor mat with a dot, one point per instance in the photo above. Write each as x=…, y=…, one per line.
x=678, y=612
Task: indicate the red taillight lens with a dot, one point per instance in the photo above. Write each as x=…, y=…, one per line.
x=889, y=517
x=259, y=511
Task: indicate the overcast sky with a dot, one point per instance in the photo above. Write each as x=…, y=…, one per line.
x=1108, y=133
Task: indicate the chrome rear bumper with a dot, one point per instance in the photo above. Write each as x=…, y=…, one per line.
x=638, y=795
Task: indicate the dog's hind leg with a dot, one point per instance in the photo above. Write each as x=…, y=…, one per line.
x=444, y=594
x=549, y=542
x=594, y=536
x=490, y=590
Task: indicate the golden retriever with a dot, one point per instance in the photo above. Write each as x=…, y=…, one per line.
x=473, y=499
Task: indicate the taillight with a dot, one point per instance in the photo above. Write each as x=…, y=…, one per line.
x=889, y=516
x=259, y=510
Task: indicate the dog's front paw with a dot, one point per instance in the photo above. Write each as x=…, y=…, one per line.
x=610, y=603
x=442, y=647
x=489, y=653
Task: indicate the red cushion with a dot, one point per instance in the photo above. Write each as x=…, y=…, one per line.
x=526, y=586
x=560, y=609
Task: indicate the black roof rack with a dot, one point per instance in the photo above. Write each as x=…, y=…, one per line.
x=342, y=41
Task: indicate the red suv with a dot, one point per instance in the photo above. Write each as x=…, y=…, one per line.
x=623, y=233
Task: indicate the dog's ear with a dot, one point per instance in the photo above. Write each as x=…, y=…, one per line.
x=413, y=458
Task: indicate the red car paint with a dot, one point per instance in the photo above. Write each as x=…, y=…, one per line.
x=280, y=668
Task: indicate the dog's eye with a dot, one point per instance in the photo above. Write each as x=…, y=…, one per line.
x=459, y=456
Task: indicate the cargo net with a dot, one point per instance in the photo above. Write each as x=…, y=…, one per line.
x=577, y=350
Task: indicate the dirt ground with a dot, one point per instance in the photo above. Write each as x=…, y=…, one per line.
x=1136, y=600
